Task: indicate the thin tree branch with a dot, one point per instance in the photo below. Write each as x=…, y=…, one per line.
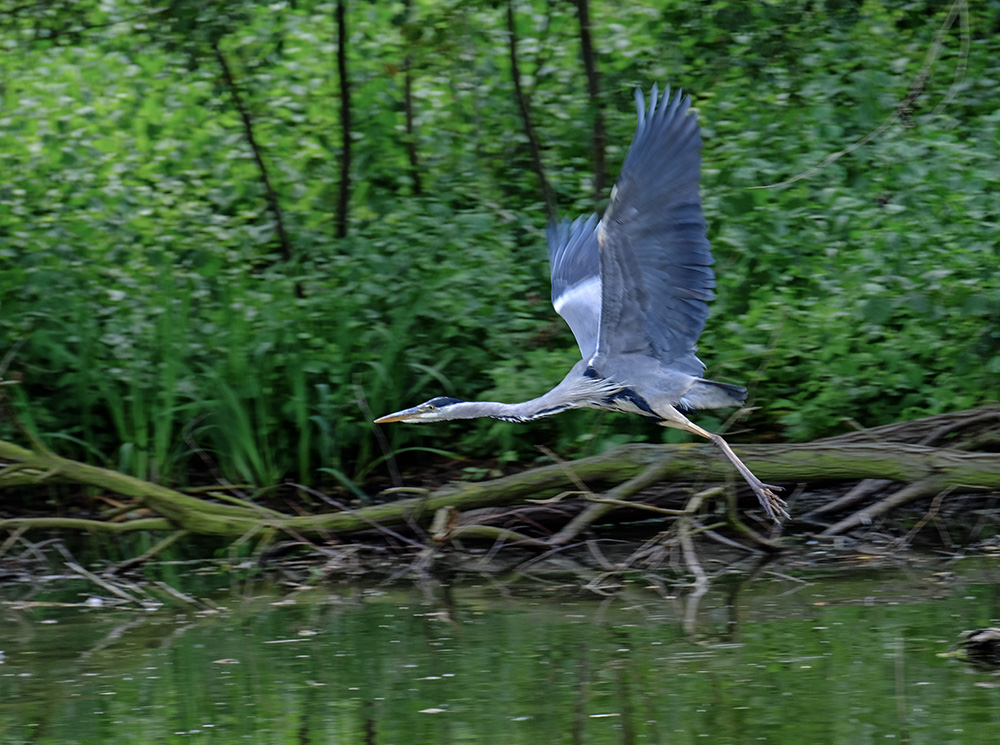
x=269, y=193
x=593, y=90
x=411, y=137
x=522, y=101
x=916, y=490
x=343, y=199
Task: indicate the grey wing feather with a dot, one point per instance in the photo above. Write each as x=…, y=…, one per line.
x=656, y=262
x=576, y=278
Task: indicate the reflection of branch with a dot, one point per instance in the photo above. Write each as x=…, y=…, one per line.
x=691, y=556
x=114, y=635
x=113, y=589
x=522, y=101
x=959, y=9
x=269, y=193
x=701, y=580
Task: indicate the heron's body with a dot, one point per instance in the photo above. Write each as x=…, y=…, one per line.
x=633, y=287
x=662, y=396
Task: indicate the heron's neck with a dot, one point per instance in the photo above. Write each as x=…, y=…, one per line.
x=524, y=411
x=577, y=390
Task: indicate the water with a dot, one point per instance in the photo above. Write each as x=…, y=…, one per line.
x=845, y=659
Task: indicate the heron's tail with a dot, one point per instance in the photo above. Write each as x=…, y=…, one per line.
x=709, y=394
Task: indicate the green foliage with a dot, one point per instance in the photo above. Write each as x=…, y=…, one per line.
x=147, y=311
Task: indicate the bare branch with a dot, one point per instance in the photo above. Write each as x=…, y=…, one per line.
x=529, y=131
x=593, y=90
x=269, y=192
x=343, y=199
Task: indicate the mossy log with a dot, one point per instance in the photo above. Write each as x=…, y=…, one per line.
x=826, y=460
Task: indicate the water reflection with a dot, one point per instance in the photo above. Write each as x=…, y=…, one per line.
x=778, y=660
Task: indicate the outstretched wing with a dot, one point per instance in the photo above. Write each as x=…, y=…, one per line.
x=576, y=278
x=656, y=274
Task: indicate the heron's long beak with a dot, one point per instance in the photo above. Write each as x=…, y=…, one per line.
x=397, y=416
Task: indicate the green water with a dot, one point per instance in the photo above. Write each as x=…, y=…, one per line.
x=848, y=659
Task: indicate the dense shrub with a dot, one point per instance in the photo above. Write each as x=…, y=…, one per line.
x=155, y=325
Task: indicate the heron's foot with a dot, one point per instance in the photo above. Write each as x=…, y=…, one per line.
x=775, y=507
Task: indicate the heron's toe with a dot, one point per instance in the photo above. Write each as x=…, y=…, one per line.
x=774, y=506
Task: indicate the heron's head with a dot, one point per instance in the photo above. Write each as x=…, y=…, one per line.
x=438, y=409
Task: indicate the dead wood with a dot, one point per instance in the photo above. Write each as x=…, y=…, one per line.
x=908, y=493
x=613, y=480
x=925, y=431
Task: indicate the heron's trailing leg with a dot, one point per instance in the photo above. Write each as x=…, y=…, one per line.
x=773, y=505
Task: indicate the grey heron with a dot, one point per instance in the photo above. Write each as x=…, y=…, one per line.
x=634, y=287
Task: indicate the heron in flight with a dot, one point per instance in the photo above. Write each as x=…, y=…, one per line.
x=634, y=287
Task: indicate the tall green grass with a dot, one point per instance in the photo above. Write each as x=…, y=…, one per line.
x=167, y=371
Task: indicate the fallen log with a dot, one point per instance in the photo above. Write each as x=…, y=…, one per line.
x=640, y=464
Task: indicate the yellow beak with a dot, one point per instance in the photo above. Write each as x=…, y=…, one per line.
x=397, y=416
